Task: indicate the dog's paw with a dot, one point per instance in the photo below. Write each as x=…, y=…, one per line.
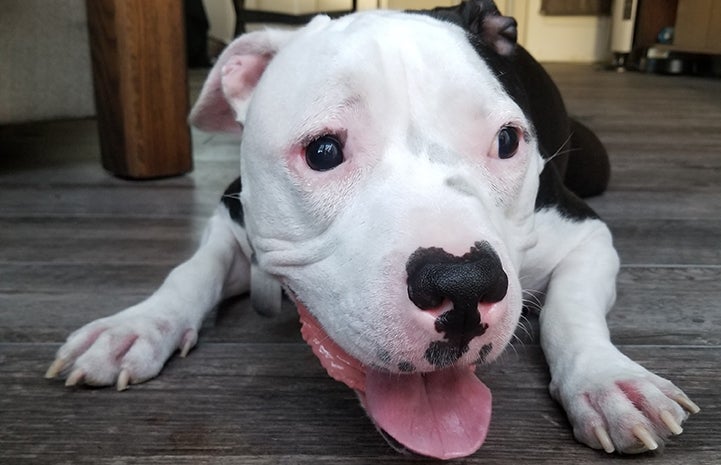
x=126, y=348
x=620, y=406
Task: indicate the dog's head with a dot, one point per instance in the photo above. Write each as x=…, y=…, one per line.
x=389, y=180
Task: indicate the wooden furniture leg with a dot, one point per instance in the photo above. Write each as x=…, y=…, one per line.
x=141, y=87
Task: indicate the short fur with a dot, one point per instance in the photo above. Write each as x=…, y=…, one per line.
x=418, y=101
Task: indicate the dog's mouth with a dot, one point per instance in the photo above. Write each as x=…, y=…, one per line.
x=442, y=414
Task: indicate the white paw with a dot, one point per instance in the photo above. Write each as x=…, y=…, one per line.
x=126, y=348
x=619, y=406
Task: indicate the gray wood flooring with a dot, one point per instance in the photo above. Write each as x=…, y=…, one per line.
x=77, y=244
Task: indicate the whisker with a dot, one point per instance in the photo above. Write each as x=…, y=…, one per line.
x=560, y=150
x=232, y=196
x=525, y=326
x=532, y=303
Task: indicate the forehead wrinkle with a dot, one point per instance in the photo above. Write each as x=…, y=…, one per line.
x=325, y=118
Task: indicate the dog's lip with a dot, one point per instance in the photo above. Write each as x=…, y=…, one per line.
x=337, y=362
x=442, y=414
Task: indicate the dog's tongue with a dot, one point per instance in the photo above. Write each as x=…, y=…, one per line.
x=443, y=414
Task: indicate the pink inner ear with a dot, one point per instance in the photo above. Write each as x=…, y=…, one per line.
x=226, y=93
x=214, y=114
x=240, y=74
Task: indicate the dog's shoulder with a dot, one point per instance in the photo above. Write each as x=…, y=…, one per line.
x=554, y=195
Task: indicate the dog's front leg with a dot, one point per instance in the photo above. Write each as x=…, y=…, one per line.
x=612, y=402
x=134, y=344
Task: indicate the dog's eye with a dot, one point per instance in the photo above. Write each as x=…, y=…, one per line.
x=508, y=139
x=324, y=153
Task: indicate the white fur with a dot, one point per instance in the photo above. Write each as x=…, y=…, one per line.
x=141, y=338
x=591, y=378
x=419, y=172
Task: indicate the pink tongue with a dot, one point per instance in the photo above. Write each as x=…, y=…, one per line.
x=443, y=414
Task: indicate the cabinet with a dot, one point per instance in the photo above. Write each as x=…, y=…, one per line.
x=698, y=26
x=696, y=44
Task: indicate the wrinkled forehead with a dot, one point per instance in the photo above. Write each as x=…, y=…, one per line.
x=385, y=60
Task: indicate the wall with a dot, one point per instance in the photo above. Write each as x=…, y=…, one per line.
x=221, y=17
x=44, y=61
x=559, y=38
x=415, y=4
x=548, y=38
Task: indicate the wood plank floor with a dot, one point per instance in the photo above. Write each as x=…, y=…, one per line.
x=76, y=244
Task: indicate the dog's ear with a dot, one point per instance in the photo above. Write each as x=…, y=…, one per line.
x=497, y=31
x=226, y=93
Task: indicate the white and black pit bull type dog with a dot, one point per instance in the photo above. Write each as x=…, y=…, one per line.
x=403, y=183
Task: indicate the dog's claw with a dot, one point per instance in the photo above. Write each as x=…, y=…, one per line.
x=123, y=380
x=74, y=378
x=645, y=437
x=671, y=423
x=186, y=348
x=604, y=439
x=687, y=404
x=188, y=342
x=55, y=368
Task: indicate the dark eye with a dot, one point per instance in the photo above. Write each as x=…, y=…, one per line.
x=507, y=142
x=324, y=153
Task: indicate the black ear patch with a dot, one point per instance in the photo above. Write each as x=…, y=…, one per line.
x=500, y=32
x=482, y=19
x=497, y=31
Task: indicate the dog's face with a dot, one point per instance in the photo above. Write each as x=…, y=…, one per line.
x=366, y=142
x=389, y=183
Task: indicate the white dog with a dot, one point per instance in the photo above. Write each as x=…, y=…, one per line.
x=396, y=183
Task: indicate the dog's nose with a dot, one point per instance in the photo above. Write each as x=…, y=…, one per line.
x=435, y=275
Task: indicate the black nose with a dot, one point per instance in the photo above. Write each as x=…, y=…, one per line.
x=434, y=275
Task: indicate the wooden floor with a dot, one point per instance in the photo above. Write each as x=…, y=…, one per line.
x=76, y=244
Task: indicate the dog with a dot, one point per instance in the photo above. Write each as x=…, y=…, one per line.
x=406, y=177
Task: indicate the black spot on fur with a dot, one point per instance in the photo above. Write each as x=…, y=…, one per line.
x=553, y=194
x=442, y=354
x=483, y=353
x=406, y=367
x=231, y=200
x=384, y=356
